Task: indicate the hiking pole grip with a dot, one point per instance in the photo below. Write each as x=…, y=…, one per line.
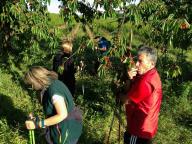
x=31, y=131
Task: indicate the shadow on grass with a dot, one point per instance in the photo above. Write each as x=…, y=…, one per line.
x=15, y=117
x=185, y=120
x=88, y=138
x=97, y=96
x=96, y=103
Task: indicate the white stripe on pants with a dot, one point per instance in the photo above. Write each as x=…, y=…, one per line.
x=133, y=139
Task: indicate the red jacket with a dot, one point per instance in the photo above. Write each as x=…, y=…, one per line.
x=142, y=113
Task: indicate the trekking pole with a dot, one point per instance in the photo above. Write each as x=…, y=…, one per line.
x=31, y=137
x=31, y=131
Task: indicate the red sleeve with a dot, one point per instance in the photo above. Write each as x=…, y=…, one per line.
x=139, y=91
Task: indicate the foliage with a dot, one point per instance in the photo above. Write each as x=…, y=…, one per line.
x=154, y=21
x=168, y=28
x=87, y=12
x=25, y=35
x=28, y=38
x=159, y=16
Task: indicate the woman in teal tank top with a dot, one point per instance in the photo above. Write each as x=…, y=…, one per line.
x=63, y=121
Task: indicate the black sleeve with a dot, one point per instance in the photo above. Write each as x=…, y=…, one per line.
x=73, y=67
x=70, y=66
x=57, y=61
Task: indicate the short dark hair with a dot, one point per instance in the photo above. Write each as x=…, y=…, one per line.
x=150, y=52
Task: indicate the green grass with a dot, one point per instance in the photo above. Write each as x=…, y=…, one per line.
x=56, y=19
x=14, y=105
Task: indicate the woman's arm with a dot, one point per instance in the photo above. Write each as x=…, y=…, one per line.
x=61, y=113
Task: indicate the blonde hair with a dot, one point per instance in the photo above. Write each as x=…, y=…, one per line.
x=40, y=77
x=67, y=45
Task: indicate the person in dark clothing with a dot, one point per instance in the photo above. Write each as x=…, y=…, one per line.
x=103, y=44
x=63, y=65
x=102, y=47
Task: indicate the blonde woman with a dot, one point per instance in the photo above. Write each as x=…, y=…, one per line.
x=63, y=65
x=62, y=119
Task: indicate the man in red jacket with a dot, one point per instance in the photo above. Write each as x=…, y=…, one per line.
x=143, y=99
